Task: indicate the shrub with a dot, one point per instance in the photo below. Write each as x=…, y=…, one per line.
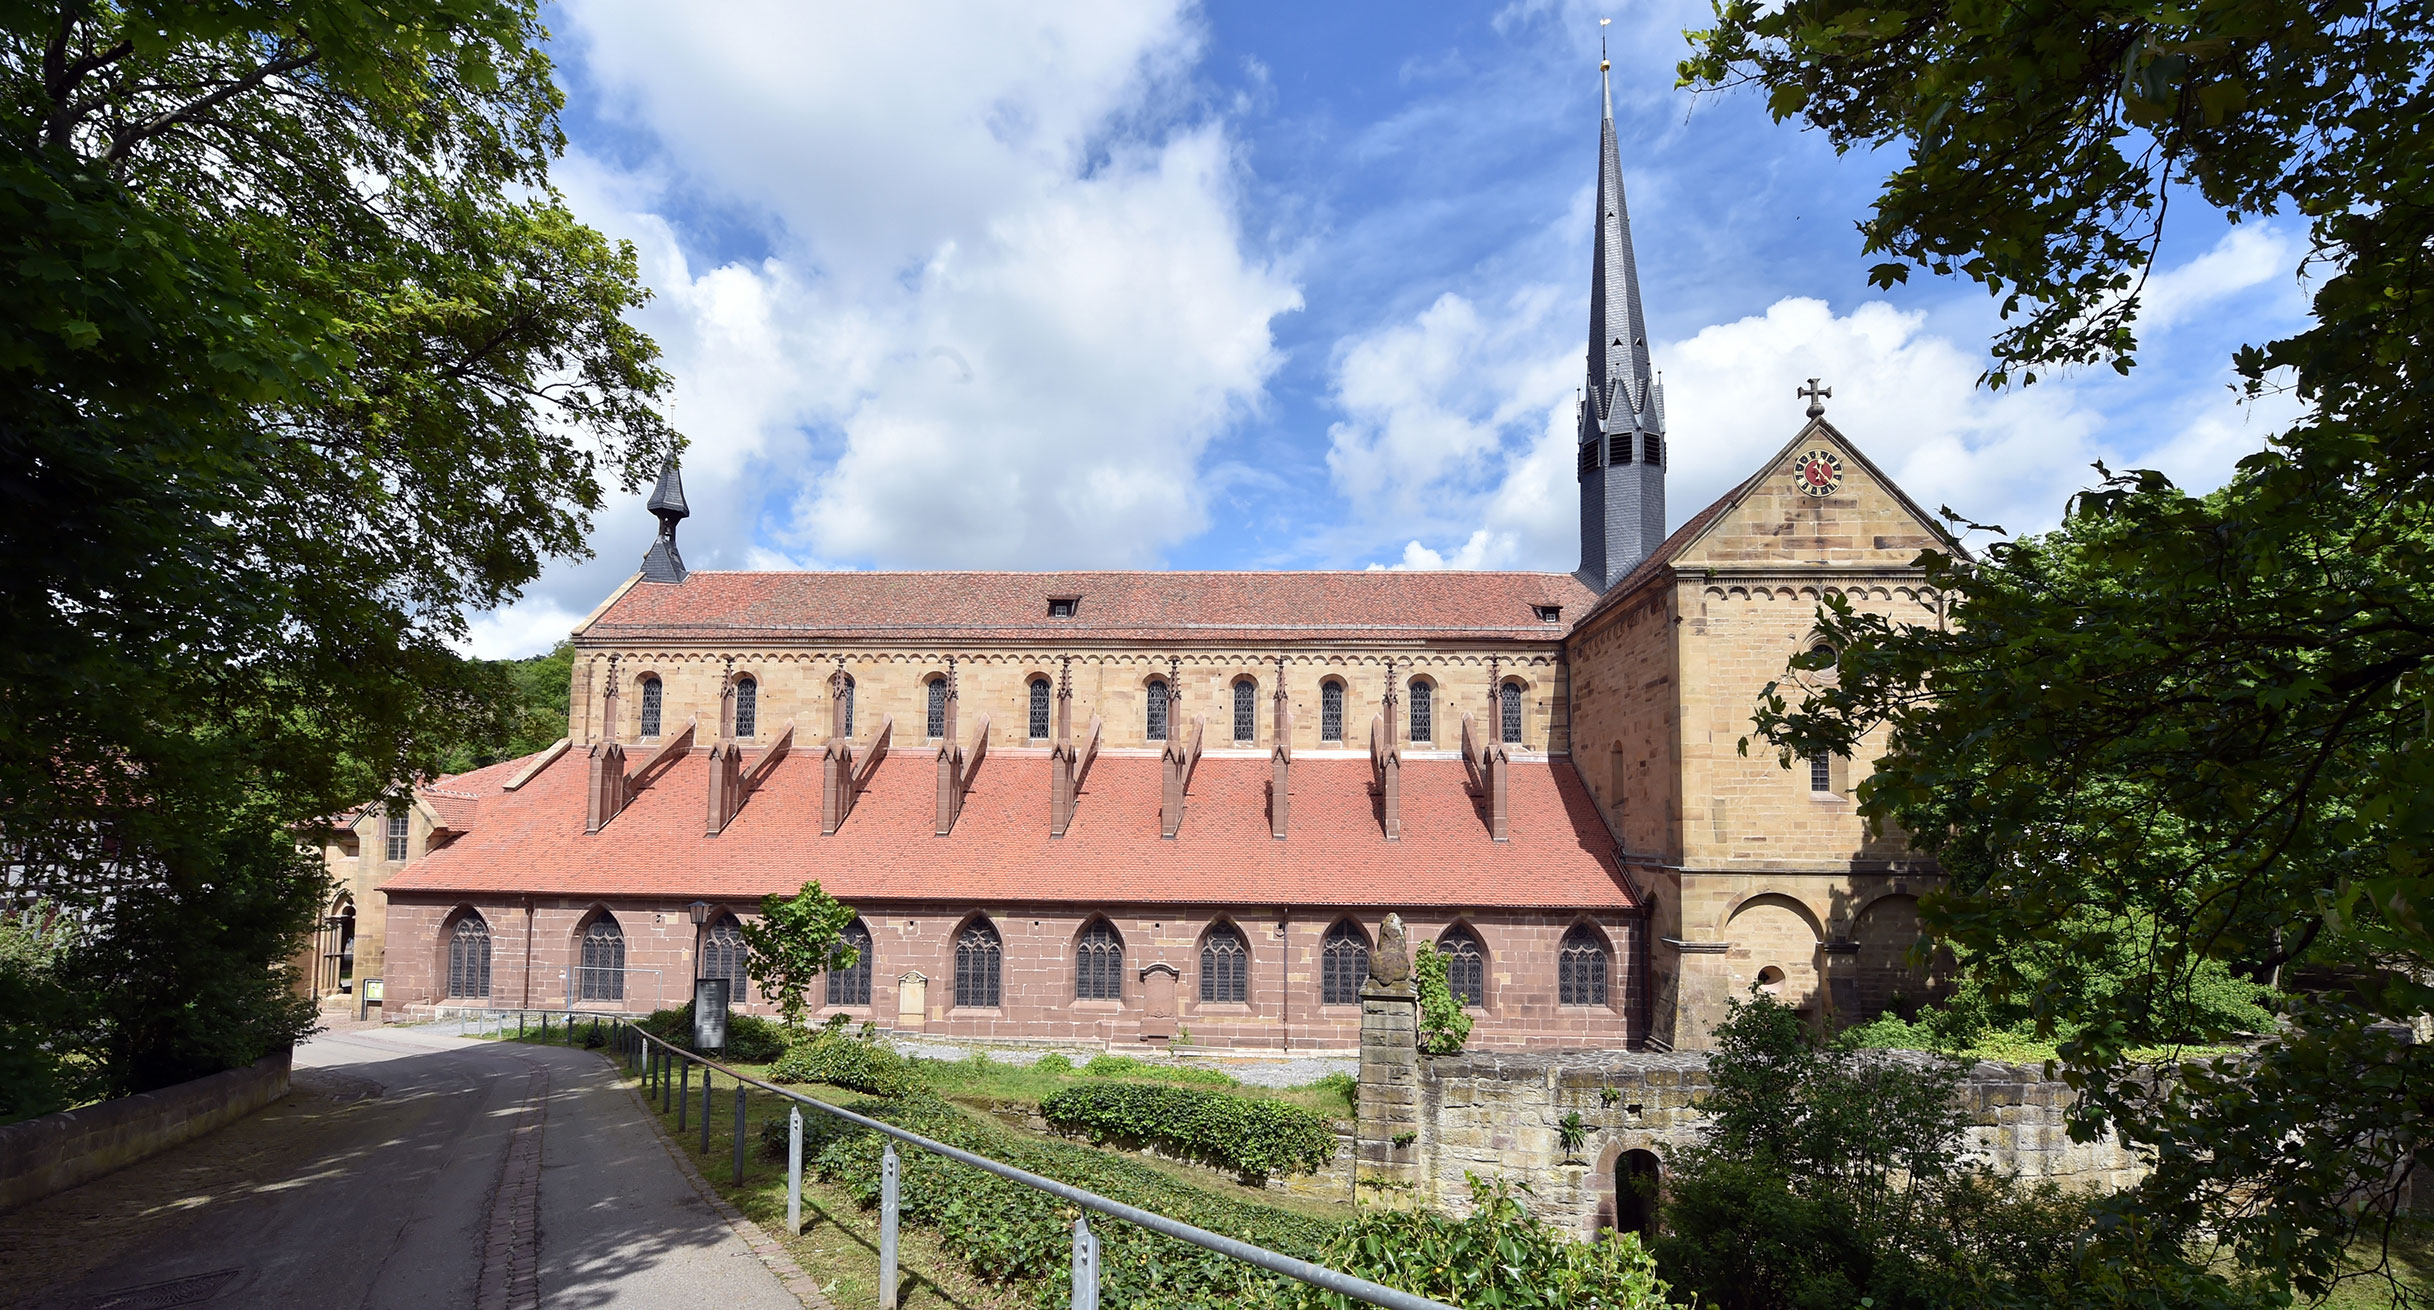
x=1253, y=1138
x=1343, y=1085
x=1125, y=1066
x=1053, y=1063
x=1443, y=1025
x=1008, y=1233
x=750, y=1038
x=1499, y=1255
x=863, y=1062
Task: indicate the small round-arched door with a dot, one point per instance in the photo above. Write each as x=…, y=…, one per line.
x=1635, y=1192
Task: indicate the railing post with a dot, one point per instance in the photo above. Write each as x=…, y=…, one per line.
x=705, y=1109
x=684, y=1091
x=887, y=1226
x=794, y=1171
x=519, y=1025
x=739, y=1134
x=1085, y=1266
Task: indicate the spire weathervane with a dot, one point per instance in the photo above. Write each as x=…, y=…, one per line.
x=1817, y=396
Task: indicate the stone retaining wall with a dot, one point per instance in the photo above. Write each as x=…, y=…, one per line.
x=58, y=1151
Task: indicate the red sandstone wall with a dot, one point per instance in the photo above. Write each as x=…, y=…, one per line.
x=1284, y=1008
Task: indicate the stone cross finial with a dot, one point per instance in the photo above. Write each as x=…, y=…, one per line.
x=1817, y=396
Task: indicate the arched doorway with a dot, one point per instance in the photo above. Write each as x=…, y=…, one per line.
x=338, y=947
x=1635, y=1192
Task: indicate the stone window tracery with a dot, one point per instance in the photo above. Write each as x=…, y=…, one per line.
x=723, y=956
x=469, y=959
x=1225, y=965
x=1580, y=968
x=747, y=706
x=651, y=694
x=1098, y=964
x=979, y=953
x=600, y=973
x=1343, y=964
x=851, y=985
x=1039, y=709
x=1331, y=711
x=1465, y=965
x=1155, y=727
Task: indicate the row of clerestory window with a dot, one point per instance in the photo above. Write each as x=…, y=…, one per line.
x=1582, y=964
x=1157, y=723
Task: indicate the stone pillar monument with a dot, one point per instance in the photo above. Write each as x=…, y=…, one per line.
x=1387, y=1099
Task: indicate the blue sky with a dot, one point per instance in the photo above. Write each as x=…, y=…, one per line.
x=1271, y=286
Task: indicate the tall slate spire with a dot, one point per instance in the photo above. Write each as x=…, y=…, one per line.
x=662, y=563
x=1622, y=414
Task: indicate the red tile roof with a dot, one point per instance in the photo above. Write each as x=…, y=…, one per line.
x=1560, y=855
x=1133, y=606
x=455, y=797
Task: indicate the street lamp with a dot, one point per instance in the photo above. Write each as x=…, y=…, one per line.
x=701, y=915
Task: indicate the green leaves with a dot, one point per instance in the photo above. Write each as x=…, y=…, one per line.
x=1498, y=1255
x=1444, y=1026
x=1254, y=1138
x=796, y=939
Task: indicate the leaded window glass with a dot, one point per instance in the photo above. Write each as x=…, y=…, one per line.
x=747, y=706
x=1246, y=710
x=978, y=953
x=469, y=959
x=1508, y=706
x=851, y=985
x=1465, y=965
x=1156, y=726
x=1343, y=964
x=1039, y=709
x=1098, y=964
x=600, y=975
x=650, y=707
x=849, y=705
x=936, y=725
x=397, y=838
x=1225, y=965
x=723, y=956
x=1821, y=772
x=1423, y=711
x=1580, y=968
x=1331, y=711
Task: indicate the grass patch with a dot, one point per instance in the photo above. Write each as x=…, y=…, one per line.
x=2409, y=1259
x=981, y=1082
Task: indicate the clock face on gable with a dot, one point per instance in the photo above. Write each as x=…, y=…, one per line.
x=1817, y=473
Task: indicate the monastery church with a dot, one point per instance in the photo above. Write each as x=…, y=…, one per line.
x=1126, y=807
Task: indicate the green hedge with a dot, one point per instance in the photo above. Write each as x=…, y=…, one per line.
x=1125, y=1066
x=750, y=1039
x=863, y=1063
x=1006, y=1232
x=1253, y=1138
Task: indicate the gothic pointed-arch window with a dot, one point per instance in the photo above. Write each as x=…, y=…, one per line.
x=723, y=956
x=850, y=985
x=469, y=959
x=1343, y=964
x=747, y=706
x=1246, y=710
x=979, y=952
x=1098, y=964
x=1155, y=728
x=1225, y=965
x=600, y=972
x=1423, y=711
x=1580, y=968
x=849, y=705
x=1508, y=713
x=935, y=725
x=650, y=706
x=1039, y=709
x=1331, y=711
x=1465, y=965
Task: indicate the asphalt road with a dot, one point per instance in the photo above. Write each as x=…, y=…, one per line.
x=406, y=1169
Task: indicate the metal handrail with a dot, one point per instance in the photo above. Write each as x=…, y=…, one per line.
x=1316, y=1275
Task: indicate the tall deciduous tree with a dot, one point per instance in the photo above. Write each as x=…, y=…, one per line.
x=2211, y=715
x=301, y=359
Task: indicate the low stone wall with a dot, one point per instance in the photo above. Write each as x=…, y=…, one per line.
x=58, y=1151
x=1496, y=1115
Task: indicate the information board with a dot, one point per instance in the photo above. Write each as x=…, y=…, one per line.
x=709, y=1014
